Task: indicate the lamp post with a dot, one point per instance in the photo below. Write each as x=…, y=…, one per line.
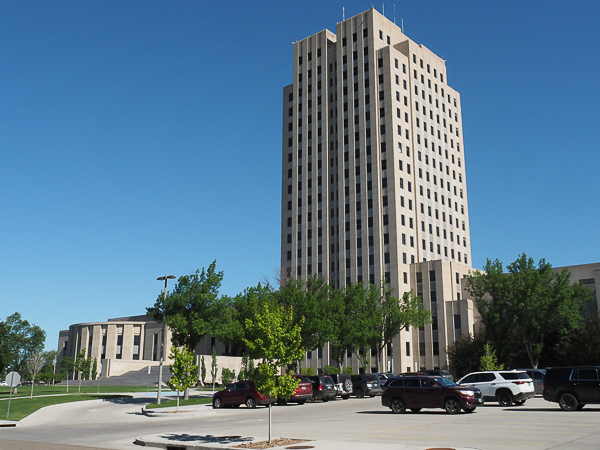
x=162, y=339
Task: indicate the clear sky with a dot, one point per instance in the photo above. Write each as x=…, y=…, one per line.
x=139, y=138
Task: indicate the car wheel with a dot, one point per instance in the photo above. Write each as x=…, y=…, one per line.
x=282, y=401
x=311, y=399
x=360, y=393
x=348, y=386
x=580, y=406
x=250, y=403
x=346, y=397
x=372, y=395
x=568, y=402
x=504, y=399
x=415, y=410
x=217, y=403
x=452, y=406
x=519, y=403
x=236, y=406
x=469, y=410
x=397, y=406
x=301, y=402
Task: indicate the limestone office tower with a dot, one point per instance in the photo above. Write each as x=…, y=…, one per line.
x=373, y=178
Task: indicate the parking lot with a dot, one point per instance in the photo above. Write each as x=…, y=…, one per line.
x=536, y=425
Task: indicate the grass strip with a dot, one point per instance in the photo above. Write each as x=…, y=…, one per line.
x=173, y=403
x=24, y=407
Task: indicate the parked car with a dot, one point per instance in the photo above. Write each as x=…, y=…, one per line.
x=236, y=394
x=537, y=375
x=365, y=385
x=383, y=377
x=440, y=373
x=411, y=374
x=572, y=387
x=3, y=383
x=303, y=392
x=343, y=384
x=323, y=388
x=504, y=386
x=417, y=392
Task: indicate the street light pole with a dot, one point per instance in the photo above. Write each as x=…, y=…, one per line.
x=162, y=338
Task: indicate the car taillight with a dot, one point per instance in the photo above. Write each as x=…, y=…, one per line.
x=519, y=382
x=320, y=387
x=544, y=385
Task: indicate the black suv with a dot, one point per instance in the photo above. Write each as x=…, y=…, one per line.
x=323, y=388
x=365, y=385
x=572, y=387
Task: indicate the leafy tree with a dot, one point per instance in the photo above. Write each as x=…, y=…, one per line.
x=202, y=371
x=83, y=366
x=397, y=315
x=308, y=371
x=213, y=366
x=581, y=346
x=192, y=310
x=35, y=363
x=227, y=376
x=248, y=370
x=532, y=300
x=95, y=369
x=330, y=370
x=464, y=355
x=18, y=340
x=364, y=359
x=488, y=360
x=183, y=370
x=67, y=366
x=274, y=338
x=309, y=299
x=348, y=370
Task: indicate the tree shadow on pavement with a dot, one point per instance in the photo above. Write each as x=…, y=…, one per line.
x=125, y=400
x=206, y=439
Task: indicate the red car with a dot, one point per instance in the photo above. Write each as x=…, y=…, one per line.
x=304, y=392
x=236, y=394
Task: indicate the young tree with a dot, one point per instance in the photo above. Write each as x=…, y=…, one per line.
x=213, y=366
x=532, y=300
x=183, y=370
x=35, y=363
x=464, y=355
x=202, y=371
x=275, y=339
x=67, y=366
x=488, y=360
x=192, y=310
x=95, y=369
x=80, y=365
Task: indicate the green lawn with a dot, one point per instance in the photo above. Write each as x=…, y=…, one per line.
x=173, y=403
x=22, y=407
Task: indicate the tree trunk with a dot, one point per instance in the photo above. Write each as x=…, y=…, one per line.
x=186, y=394
x=32, y=383
x=269, y=420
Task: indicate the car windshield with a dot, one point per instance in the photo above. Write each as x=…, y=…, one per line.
x=372, y=377
x=445, y=381
x=304, y=379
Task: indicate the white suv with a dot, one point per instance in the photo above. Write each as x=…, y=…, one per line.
x=503, y=386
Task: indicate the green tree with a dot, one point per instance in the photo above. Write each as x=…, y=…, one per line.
x=203, y=371
x=310, y=299
x=330, y=370
x=581, y=346
x=274, y=338
x=464, y=354
x=18, y=340
x=227, y=376
x=192, y=310
x=488, y=360
x=80, y=365
x=35, y=363
x=531, y=300
x=397, y=315
x=308, y=371
x=95, y=369
x=183, y=370
x=213, y=366
x=67, y=366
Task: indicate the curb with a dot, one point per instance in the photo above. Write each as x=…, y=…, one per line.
x=141, y=442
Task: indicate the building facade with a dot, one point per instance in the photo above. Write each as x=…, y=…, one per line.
x=373, y=173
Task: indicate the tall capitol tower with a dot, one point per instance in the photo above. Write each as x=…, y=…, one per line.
x=373, y=178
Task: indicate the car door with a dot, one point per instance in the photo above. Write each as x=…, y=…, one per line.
x=586, y=384
x=429, y=395
x=412, y=392
x=488, y=383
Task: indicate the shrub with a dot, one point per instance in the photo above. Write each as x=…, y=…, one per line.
x=330, y=370
x=307, y=371
x=348, y=370
x=227, y=376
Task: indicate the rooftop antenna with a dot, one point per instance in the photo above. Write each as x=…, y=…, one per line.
x=383, y=9
x=343, y=13
x=402, y=25
x=394, y=14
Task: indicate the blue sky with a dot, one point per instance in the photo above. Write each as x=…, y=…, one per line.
x=144, y=138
